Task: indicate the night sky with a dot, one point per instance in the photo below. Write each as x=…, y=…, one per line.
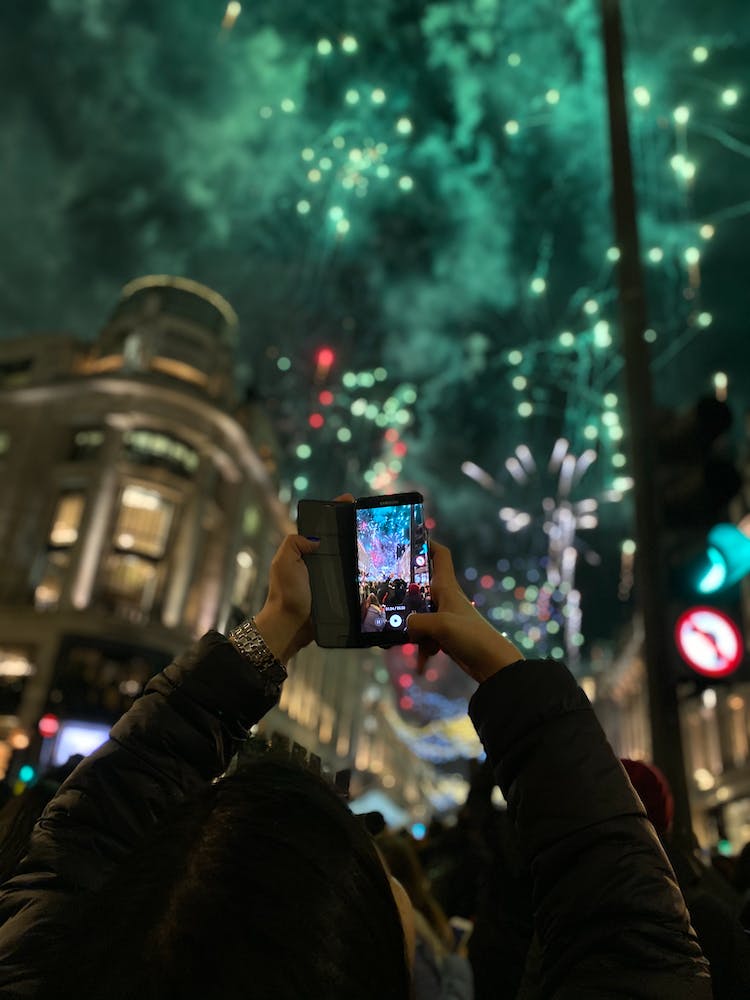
x=422, y=187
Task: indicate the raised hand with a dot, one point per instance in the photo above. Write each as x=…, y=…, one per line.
x=456, y=626
x=284, y=621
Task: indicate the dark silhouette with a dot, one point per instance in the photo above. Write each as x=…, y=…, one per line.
x=712, y=902
x=438, y=969
x=20, y=813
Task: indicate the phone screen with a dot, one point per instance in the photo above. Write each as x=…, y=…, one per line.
x=393, y=565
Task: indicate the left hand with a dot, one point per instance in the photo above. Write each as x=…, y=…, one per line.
x=284, y=620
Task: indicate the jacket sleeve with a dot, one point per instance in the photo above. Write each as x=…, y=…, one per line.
x=610, y=917
x=179, y=736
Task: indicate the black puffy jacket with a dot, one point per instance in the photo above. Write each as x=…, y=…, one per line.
x=610, y=918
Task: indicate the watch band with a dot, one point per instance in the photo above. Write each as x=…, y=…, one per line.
x=248, y=640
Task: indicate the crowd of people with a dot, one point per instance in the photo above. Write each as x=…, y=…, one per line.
x=162, y=868
x=382, y=599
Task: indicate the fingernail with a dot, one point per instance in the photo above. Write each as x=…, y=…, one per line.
x=312, y=538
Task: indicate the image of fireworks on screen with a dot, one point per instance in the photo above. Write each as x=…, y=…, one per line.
x=383, y=539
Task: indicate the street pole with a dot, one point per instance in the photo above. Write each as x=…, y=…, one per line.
x=666, y=737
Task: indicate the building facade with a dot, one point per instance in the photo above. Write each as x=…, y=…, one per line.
x=135, y=509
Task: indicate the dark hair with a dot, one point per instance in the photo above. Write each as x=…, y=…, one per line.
x=404, y=864
x=265, y=885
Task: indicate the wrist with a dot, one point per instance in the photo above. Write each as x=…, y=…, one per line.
x=250, y=644
x=278, y=629
x=500, y=653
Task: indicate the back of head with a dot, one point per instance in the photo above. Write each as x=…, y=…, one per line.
x=265, y=885
x=654, y=792
x=404, y=864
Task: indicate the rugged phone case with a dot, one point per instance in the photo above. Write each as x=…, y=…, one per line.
x=333, y=571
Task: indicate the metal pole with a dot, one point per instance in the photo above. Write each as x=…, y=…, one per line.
x=650, y=584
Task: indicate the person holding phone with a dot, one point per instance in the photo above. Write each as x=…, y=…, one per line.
x=153, y=875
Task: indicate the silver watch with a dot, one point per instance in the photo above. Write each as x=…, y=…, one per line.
x=252, y=645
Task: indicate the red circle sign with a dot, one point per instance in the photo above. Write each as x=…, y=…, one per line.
x=709, y=641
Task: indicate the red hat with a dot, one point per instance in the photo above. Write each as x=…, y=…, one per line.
x=654, y=792
x=413, y=588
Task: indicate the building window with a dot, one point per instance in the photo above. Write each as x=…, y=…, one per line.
x=185, y=345
x=153, y=448
x=66, y=522
x=16, y=666
x=86, y=444
x=48, y=590
x=131, y=573
x=129, y=585
x=143, y=522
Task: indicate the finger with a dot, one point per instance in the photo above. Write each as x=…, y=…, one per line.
x=297, y=546
x=426, y=649
x=444, y=586
x=305, y=544
x=442, y=561
x=347, y=497
x=433, y=625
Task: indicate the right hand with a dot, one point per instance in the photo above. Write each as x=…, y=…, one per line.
x=456, y=626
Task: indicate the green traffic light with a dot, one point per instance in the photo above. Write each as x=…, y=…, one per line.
x=727, y=559
x=715, y=576
x=27, y=773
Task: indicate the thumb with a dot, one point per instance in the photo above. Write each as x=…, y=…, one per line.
x=304, y=544
x=431, y=625
x=430, y=631
x=425, y=636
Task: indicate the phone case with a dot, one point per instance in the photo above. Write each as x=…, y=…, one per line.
x=332, y=569
x=336, y=611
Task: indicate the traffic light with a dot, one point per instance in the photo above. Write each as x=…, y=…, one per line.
x=726, y=559
x=696, y=476
x=26, y=774
x=697, y=479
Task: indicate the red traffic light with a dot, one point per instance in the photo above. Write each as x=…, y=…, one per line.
x=48, y=726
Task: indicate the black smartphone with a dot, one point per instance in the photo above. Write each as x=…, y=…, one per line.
x=393, y=566
x=371, y=570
